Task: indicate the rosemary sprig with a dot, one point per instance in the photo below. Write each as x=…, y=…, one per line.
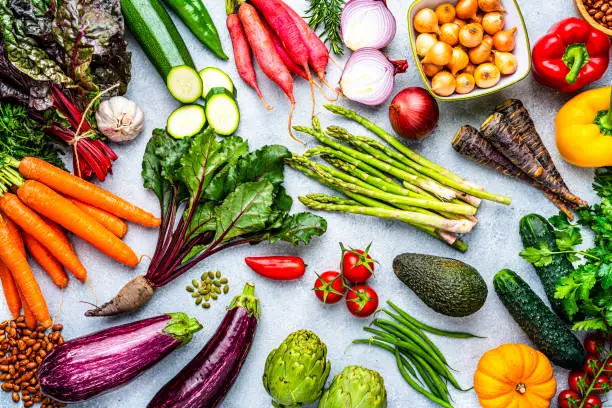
x=327, y=13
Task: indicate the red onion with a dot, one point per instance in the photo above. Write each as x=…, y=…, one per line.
x=368, y=76
x=367, y=23
x=413, y=113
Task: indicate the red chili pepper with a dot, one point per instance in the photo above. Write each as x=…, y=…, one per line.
x=277, y=267
x=571, y=55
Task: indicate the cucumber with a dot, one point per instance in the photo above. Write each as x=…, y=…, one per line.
x=535, y=229
x=545, y=329
x=222, y=111
x=185, y=84
x=215, y=78
x=154, y=30
x=186, y=121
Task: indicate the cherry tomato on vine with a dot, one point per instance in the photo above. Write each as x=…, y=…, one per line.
x=602, y=384
x=329, y=287
x=566, y=397
x=608, y=367
x=594, y=344
x=357, y=265
x=592, y=366
x=592, y=401
x=576, y=378
x=362, y=300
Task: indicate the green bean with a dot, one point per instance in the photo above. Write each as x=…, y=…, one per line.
x=433, y=330
x=433, y=351
x=384, y=346
x=427, y=379
x=415, y=386
x=435, y=377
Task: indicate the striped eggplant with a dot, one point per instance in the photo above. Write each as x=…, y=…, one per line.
x=207, y=378
x=92, y=365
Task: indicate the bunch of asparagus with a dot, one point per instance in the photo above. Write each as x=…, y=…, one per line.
x=388, y=181
x=509, y=142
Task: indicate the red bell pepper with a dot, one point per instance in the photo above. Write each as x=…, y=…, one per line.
x=571, y=55
x=277, y=267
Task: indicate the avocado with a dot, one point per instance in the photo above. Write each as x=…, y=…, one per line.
x=446, y=285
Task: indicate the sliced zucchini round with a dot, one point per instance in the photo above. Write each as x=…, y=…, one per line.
x=186, y=121
x=215, y=78
x=222, y=111
x=184, y=83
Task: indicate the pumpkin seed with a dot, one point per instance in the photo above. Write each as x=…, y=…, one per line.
x=199, y=300
x=189, y=289
x=211, y=275
x=223, y=281
x=195, y=283
x=225, y=289
x=214, y=296
x=218, y=274
x=206, y=305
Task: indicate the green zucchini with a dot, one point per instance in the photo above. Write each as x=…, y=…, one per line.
x=535, y=229
x=222, y=111
x=186, y=121
x=215, y=78
x=185, y=84
x=545, y=329
x=154, y=30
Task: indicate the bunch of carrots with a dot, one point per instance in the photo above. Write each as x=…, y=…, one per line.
x=283, y=44
x=37, y=202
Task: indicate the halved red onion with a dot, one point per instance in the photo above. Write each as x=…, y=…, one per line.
x=368, y=76
x=367, y=23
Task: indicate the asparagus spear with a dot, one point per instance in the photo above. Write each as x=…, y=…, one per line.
x=456, y=226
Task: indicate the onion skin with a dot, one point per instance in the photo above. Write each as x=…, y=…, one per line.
x=367, y=23
x=466, y=9
x=505, y=40
x=465, y=83
x=449, y=33
x=426, y=21
x=413, y=113
x=471, y=35
x=493, y=22
x=446, y=13
x=486, y=75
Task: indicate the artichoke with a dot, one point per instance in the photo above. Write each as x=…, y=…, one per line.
x=355, y=387
x=297, y=370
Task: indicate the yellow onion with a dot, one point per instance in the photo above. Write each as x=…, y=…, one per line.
x=445, y=13
x=490, y=5
x=486, y=75
x=459, y=22
x=506, y=62
x=493, y=22
x=440, y=54
x=459, y=60
x=470, y=35
x=424, y=42
x=449, y=33
x=482, y=53
x=443, y=83
x=469, y=69
x=431, y=69
x=466, y=9
x=505, y=40
x=426, y=21
x=464, y=83
x=477, y=18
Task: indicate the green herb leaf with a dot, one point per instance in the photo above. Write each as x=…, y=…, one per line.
x=590, y=325
x=540, y=256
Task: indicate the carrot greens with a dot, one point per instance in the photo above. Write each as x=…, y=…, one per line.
x=214, y=195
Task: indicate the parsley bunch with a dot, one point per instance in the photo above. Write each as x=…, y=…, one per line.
x=586, y=291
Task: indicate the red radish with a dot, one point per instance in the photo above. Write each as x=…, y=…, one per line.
x=242, y=55
x=282, y=52
x=267, y=57
x=318, y=55
x=413, y=113
x=289, y=34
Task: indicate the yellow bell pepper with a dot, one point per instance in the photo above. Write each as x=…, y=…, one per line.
x=584, y=129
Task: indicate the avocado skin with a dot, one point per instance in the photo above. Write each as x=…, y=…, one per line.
x=446, y=285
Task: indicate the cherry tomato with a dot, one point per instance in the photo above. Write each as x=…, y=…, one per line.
x=566, y=396
x=357, y=265
x=592, y=401
x=594, y=344
x=577, y=377
x=602, y=384
x=592, y=366
x=362, y=300
x=329, y=287
x=608, y=367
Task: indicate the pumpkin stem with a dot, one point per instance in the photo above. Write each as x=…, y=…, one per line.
x=521, y=388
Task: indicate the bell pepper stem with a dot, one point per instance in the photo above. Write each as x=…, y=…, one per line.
x=604, y=119
x=575, y=57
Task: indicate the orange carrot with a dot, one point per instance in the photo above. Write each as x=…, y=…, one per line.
x=33, y=224
x=18, y=265
x=75, y=187
x=52, y=266
x=111, y=222
x=16, y=235
x=61, y=210
x=29, y=316
x=11, y=292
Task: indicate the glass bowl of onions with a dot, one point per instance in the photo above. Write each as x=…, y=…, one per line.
x=468, y=48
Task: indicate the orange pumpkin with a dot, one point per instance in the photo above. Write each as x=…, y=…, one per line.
x=514, y=376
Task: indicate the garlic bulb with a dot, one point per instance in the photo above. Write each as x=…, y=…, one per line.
x=120, y=119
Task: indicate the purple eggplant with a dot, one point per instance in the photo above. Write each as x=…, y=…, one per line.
x=92, y=365
x=210, y=375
